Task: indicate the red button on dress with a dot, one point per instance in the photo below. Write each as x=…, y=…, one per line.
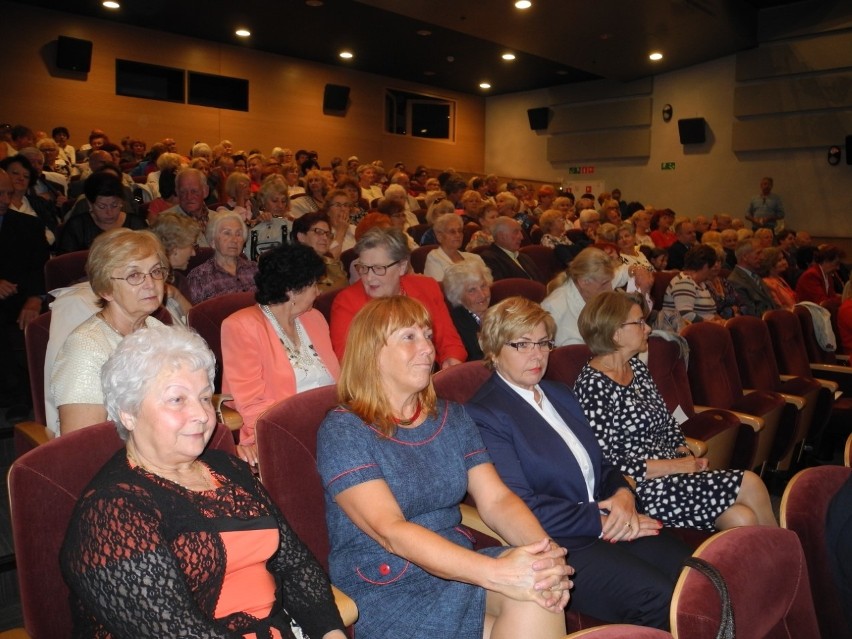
x=384, y=569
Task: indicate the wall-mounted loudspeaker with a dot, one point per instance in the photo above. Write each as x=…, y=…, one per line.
x=849, y=149
x=74, y=54
x=539, y=118
x=335, y=99
x=692, y=130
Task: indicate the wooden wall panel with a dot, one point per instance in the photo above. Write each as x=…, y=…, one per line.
x=600, y=145
x=794, y=94
x=792, y=132
x=601, y=115
x=823, y=53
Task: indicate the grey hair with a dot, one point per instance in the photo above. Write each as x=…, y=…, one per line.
x=137, y=360
x=395, y=188
x=459, y=276
x=215, y=220
x=443, y=221
x=201, y=150
x=31, y=153
x=391, y=239
x=503, y=224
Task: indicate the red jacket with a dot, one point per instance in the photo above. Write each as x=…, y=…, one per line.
x=811, y=286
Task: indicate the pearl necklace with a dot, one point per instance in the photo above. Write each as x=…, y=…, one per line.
x=305, y=357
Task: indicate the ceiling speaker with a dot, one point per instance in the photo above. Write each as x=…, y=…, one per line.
x=692, y=130
x=74, y=54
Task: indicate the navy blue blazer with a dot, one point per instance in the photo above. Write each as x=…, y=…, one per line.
x=534, y=461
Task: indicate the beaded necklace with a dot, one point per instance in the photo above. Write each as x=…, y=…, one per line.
x=305, y=357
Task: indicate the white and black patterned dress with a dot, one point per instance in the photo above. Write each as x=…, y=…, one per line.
x=633, y=424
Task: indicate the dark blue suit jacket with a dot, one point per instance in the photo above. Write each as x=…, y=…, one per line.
x=538, y=466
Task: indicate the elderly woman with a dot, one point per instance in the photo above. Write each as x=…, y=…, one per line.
x=642, y=224
x=643, y=440
x=316, y=188
x=395, y=463
x=721, y=289
x=449, y=231
x=590, y=273
x=628, y=250
x=273, y=222
x=467, y=287
x=170, y=539
x=661, y=228
x=383, y=265
x=178, y=234
x=105, y=196
x=313, y=230
x=228, y=271
x=281, y=346
x=439, y=206
x=360, y=207
x=488, y=215
x=552, y=225
x=238, y=193
x=687, y=299
x=471, y=202
x=23, y=196
x=773, y=266
x=337, y=208
x=821, y=281
x=127, y=271
x=546, y=452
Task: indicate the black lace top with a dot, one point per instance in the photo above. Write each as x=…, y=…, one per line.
x=143, y=557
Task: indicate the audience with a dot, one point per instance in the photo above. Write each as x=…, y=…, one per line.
x=755, y=298
x=449, y=231
x=467, y=287
x=504, y=258
x=820, y=281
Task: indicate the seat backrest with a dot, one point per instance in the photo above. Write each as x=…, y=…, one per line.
x=417, y=259
x=511, y=286
x=662, y=279
x=207, y=317
x=713, y=376
x=815, y=352
x=44, y=486
x=803, y=510
x=788, y=344
x=767, y=580
x=566, y=362
x=36, y=337
x=753, y=352
x=347, y=257
x=65, y=270
x=668, y=370
x=417, y=231
x=202, y=254
x=461, y=382
x=324, y=301
x=286, y=436
x=544, y=258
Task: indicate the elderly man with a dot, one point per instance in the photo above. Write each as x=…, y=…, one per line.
x=755, y=298
x=685, y=232
x=503, y=256
x=766, y=209
x=23, y=254
x=191, y=189
x=589, y=222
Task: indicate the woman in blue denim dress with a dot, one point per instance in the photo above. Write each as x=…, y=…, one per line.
x=395, y=464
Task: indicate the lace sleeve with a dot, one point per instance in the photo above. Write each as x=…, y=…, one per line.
x=120, y=568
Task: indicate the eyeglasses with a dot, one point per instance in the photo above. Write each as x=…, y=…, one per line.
x=640, y=322
x=363, y=269
x=108, y=206
x=341, y=205
x=321, y=232
x=136, y=278
x=527, y=347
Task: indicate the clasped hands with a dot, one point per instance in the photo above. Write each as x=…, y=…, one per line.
x=535, y=572
x=621, y=522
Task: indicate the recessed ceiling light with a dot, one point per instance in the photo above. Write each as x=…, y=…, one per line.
x=523, y=4
x=484, y=85
x=347, y=55
x=110, y=4
x=656, y=55
x=423, y=32
x=243, y=33
x=508, y=56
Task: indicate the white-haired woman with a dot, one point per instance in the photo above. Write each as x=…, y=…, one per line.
x=467, y=287
x=449, y=229
x=190, y=528
x=228, y=271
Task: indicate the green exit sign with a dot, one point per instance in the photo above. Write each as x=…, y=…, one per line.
x=667, y=166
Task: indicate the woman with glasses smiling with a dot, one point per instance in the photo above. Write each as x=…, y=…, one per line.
x=314, y=230
x=545, y=451
x=640, y=436
x=338, y=207
x=105, y=196
x=127, y=271
x=382, y=265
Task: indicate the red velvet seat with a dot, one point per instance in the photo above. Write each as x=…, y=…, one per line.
x=460, y=383
x=65, y=270
x=323, y=303
x=767, y=579
x=346, y=258
x=824, y=362
x=545, y=260
x=803, y=510
x=662, y=279
x=511, y=286
x=44, y=486
x=418, y=230
x=715, y=381
x=417, y=259
x=759, y=370
x=36, y=337
x=832, y=305
x=202, y=254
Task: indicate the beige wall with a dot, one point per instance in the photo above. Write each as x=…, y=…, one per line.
x=709, y=178
x=285, y=96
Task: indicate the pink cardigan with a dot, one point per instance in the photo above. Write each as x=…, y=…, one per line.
x=255, y=366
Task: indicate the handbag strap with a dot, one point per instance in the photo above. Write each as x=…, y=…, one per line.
x=727, y=628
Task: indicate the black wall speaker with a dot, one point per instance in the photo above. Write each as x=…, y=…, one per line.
x=849, y=149
x=539, y=118
x=74, y=54
x=335, y=98
x=692, y=130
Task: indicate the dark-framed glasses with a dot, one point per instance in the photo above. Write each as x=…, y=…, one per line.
x=545, y=345
x=363, y=269
x=136, y=278
x=321, y=232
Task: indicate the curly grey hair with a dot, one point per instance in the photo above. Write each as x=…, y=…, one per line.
x=459, y=276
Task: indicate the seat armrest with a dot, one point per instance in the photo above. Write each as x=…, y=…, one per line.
x=697, y=447
x=33, y=433
x=826, y=383
x=841, y=375
x=345, y=605
x=796, y=400
x=471, y=519
x=755, y=422
x=225, y=414
x=14, y=633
